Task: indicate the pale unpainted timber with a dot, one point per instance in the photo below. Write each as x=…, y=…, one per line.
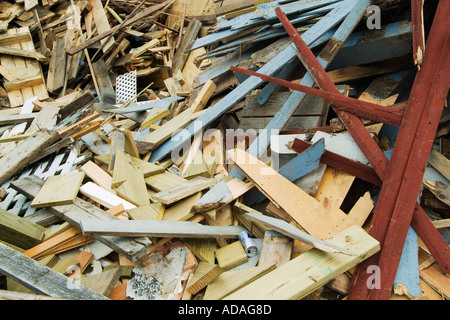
x=133, y=249
x=388, y=115
x=155, y=228
x=302, y=275
x=289, y=230
x=41, y=279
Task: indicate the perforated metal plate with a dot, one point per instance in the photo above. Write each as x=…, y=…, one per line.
x=126, y=87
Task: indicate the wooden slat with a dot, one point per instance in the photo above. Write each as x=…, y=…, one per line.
x=58, y=190
x=40, y=278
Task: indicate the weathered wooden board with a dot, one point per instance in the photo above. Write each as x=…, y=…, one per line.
x=311, y=270
x=134, y=228
x=42, y=279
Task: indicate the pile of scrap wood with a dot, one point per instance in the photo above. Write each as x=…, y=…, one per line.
x=224, y=150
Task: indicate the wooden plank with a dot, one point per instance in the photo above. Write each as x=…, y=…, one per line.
x=188, y=39
x=232, y=280
x=313, y=264
x=426, y=90
x=59, y=189
x=203, y=96
x=40, y=278
x=203, y=249
x=231, y=255
x=15, y=119
x=104, y=197
x=123, y=169
x=183, y=190
x=101, y=22
x=133, y=228
x=289, y=230
x=98, y=175
x=163, y=181
x=181, y=210
x=204, y=274
x=24, y=153
x=57, y=66
x=19, y=231
x=42, y=249
x=440, y=162
x=319, y=223
x=134, y=189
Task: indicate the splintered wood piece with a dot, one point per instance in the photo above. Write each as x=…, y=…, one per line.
x=24, y=153
x=183, y=190
x=57, y=66
x=123, y=169
x=232, y=280
x=134, y=189
x=202, y=98
x=58, y=190
x=231, y=255
x=311, y=270
x=181, y=210
x=204, y=274
x=439, y=189
x=102, y=282
x=41, y=279
x=19, y=231
x=440, y=162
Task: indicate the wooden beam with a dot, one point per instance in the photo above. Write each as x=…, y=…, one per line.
x=150, y=228
x=133, y=249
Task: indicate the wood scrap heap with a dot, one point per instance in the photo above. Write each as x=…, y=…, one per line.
x=224, y=150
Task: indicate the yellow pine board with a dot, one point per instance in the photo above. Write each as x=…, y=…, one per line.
x=147, y=212
x=181, y=210
x=123, y=169
x=232, y=280
x=163, y=181
x=204, y=274
x=58, y=190
x=311, y=270
x=203, y=249
x=231, y=255
x=19, y=231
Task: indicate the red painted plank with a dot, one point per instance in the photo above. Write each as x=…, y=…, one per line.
x=363, y=109
x=418, y=31
x=384, y=210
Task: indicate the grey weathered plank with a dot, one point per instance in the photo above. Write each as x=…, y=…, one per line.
x=157, y=228
x=40, y=278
